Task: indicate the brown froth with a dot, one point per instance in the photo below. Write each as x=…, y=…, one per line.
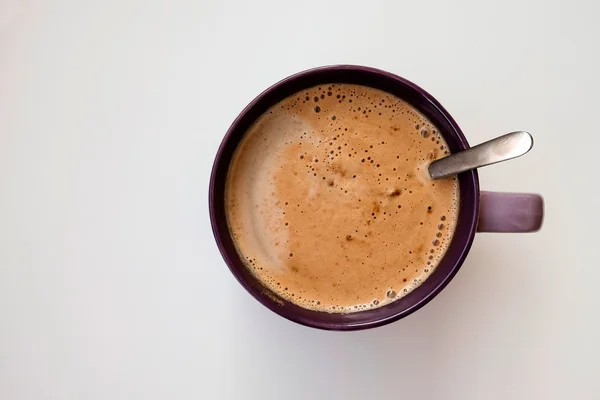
x=329, y=201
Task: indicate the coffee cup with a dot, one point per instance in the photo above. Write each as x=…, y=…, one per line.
x=477, y=211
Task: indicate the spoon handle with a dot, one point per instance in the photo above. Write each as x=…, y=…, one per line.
x=503, y=148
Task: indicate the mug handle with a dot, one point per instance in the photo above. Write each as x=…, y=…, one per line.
x=510, y=212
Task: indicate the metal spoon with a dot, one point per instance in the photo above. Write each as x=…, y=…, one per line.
x=507, y=147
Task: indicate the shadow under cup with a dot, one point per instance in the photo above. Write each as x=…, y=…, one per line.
x=467, y=214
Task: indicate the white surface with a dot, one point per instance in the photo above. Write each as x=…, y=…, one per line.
x=111, y=286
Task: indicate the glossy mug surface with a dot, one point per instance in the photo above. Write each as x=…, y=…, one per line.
x=486, y=211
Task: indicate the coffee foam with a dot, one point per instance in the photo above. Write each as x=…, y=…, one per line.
x=330, y=203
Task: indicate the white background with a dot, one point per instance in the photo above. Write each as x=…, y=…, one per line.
x=111, y=286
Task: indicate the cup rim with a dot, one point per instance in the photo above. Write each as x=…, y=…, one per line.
x=265, y=297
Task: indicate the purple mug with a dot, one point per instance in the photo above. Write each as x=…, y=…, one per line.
x=478, y=211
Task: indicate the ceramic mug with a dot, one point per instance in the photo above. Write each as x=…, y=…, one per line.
x=478, y=211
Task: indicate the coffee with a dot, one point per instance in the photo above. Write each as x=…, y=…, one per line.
x=329, y=201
